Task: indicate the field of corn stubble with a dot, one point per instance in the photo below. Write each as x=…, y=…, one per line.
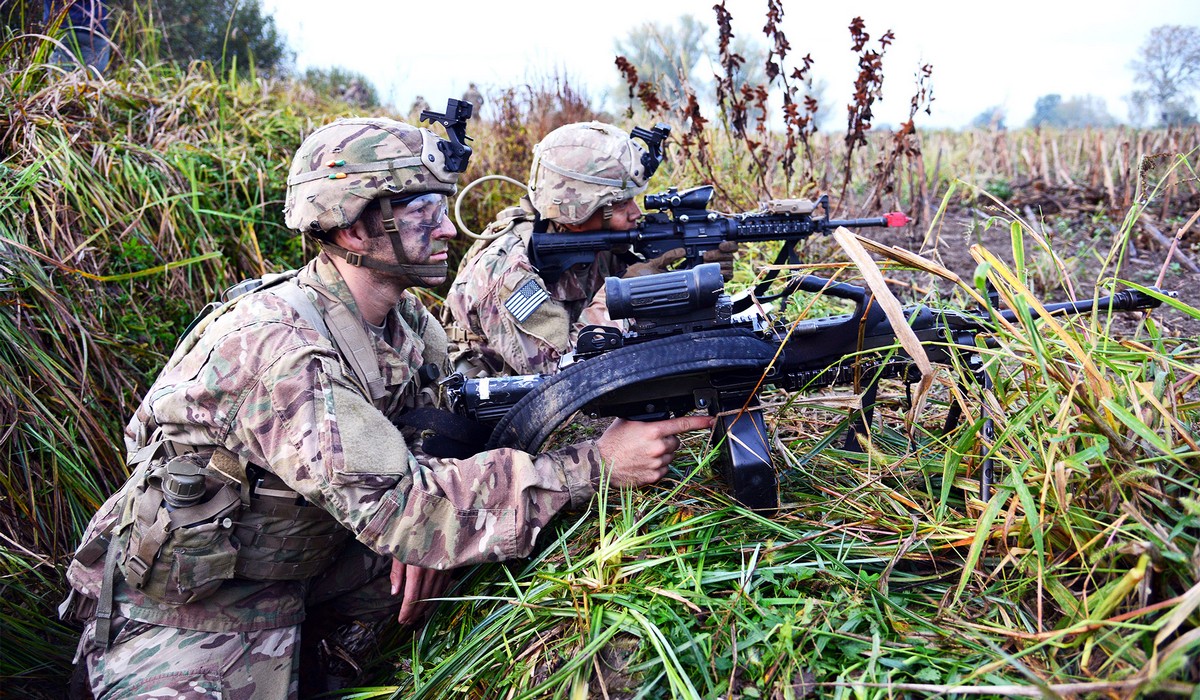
x=128, y=201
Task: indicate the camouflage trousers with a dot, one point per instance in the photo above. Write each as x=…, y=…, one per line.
x=347, y=606
x=148, y=661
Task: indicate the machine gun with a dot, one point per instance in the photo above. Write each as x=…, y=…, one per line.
x=683, y=220
x=686, y=351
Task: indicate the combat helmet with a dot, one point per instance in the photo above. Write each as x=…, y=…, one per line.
x=579, y=168
x=344, y=166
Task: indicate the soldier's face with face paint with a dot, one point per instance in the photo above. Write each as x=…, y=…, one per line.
x=425, y=231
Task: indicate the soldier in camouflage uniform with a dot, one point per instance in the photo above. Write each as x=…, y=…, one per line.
x=277, y=515
x=419, y=105
x=503, y=318
x=475, y=97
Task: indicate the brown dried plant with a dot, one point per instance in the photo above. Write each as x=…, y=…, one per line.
x=868, y=87
x=645, y=91
x=905, y=145
x=691, y=146
x=731, y=104
x=735, y=102
x=798, y=126
x=767, y=161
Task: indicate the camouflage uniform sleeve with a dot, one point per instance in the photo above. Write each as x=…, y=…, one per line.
x=596, y=311
x=529, y=345
x=324, y=439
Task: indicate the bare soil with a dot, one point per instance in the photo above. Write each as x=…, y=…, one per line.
x=1083, y=245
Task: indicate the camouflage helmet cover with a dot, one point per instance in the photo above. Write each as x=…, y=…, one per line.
x=581, y=167
x=341, y=167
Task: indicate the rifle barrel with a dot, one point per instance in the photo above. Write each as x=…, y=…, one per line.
x=831, y=224
x=1126, y=300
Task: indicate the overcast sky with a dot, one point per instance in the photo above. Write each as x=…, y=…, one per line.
x=982, y=53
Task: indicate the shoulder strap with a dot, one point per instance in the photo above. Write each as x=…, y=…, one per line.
x=337, y=325
x=350, y=339
x=299, y=300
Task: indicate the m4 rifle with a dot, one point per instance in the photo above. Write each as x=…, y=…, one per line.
x=682, y=220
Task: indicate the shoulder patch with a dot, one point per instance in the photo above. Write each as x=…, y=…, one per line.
x=525, y=300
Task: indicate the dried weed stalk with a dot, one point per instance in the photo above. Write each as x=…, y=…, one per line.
x=905, y=145
x=868, y=87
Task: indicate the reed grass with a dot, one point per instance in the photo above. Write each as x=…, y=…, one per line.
x=125, y=203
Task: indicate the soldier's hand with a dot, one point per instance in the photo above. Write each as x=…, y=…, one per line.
x=417, y=585
x=724, y=255
x=638, y=453
x=655, y=265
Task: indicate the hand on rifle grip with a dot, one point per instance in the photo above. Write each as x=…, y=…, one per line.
x=655, y=265
x=637, y=453
x=724, y=255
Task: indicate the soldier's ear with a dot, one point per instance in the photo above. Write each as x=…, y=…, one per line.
x=353, y=238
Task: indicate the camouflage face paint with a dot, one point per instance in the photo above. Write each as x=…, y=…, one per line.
x=424, y=234
x=417, y=221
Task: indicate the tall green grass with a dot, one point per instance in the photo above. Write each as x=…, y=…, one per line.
x=125, y=203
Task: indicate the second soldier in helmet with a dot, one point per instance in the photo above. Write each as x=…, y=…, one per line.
x=502, y=317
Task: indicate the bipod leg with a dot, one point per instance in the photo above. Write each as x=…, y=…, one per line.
x=953, y=416
x=862, y=420
x=745, y=457
x=989, y=435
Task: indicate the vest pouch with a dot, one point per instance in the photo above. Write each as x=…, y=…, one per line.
x=85, y=573
x=201, y=558
x=280, y=538
x=181, y=546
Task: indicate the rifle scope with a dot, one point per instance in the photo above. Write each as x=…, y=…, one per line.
x=665, y=294
x=694, y=199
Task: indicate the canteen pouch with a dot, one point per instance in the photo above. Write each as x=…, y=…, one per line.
x=181, y=552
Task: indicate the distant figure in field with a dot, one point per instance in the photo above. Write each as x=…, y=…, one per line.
x=475, y=97
x=419, y=105
x=84, y=32
x=356, y=94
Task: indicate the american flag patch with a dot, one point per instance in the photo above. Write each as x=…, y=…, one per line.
x=525, y=300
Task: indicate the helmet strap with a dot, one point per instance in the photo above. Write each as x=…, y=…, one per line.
x=413, y=275
x=606, y=215
x=390, y=228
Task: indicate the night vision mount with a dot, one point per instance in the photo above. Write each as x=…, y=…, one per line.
x=455, y=118
x=654, y=145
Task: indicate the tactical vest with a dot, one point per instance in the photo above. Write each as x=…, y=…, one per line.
x=188, y=520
